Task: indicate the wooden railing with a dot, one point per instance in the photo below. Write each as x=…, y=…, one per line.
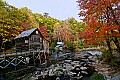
x=14, y=60
x=17, y=58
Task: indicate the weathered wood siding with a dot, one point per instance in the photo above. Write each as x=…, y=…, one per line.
x=21, y=45
x=34, y=42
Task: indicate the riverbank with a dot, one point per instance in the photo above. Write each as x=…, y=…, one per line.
x=101, y=66
x=80, y=67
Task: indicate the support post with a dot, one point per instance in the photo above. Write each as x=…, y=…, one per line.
x=39, y=57
x=34, y=58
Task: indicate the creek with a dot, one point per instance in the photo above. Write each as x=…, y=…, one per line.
x=68, y=69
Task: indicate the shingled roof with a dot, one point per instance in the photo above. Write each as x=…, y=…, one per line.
x=25, y=33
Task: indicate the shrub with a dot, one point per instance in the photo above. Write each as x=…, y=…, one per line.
x=115, y=64
x=106, y=56
x=97, y=76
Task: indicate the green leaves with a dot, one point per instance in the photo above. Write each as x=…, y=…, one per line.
x=13, y=21
x=10, y=22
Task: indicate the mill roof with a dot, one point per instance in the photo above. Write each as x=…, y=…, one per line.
x=26, y=33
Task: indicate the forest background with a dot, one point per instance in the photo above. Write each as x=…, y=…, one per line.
x=100, y=26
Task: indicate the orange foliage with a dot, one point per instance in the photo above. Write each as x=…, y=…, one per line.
x=101, y=17
x=43, y=31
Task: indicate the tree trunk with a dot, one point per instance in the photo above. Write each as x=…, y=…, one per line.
x=110, y=50
x=115, y=40
x=117, y=44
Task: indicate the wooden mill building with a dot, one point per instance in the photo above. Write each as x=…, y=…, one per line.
x=33, y=41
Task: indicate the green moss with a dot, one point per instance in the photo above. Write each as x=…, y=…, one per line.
x=97, y=76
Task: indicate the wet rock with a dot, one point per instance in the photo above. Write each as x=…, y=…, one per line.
x=84, y=72
x=104, y=69
x=90, y=57
x=116, y=76
x=71, y=68
x=83, y=68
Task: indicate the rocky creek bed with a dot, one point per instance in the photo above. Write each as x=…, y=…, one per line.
x=66, y=70
x=80, y=67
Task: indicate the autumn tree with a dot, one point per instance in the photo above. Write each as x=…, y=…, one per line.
x=56, y=31
x=62, y=32
x=28, y=23
x=67, y=31
x=10, y=22
x=102, y=21
x=76, y=28
x=48, y=21
x=43, y=31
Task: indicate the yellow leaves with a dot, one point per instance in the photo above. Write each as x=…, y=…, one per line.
x=14, y=34
x=75, y=42
x=8, y=32
x=97, y=31
x=57, y=26
x=5, y=40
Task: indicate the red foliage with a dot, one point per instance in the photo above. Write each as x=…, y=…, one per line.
x=24, y=26
x=101, y=17
x=43, y=31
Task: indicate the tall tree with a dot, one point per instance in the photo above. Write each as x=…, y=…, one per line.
x=10, y=22
x=102, y=19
